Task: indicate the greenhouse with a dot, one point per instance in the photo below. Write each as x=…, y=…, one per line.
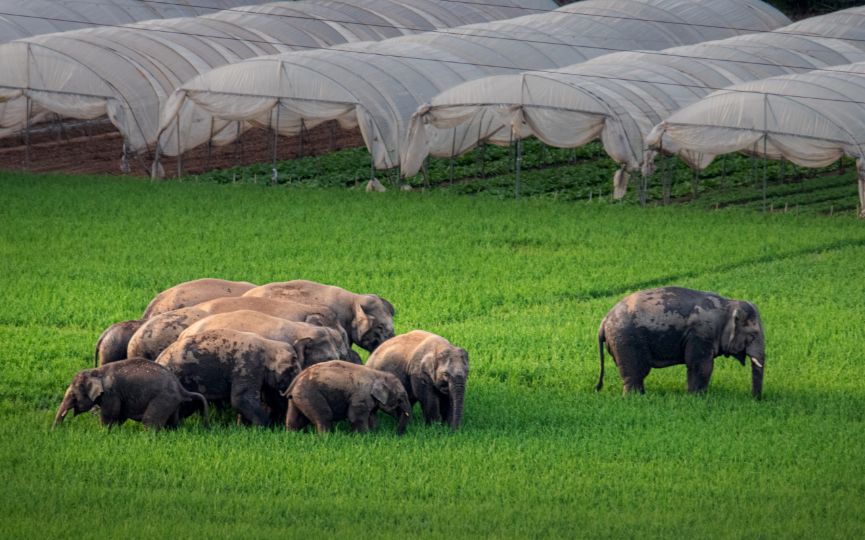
x=24, y=19
x=810, y=119
x=619, y=97
x=126, y=72
x=378, y=86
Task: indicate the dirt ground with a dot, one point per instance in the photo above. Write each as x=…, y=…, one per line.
x=97, y=147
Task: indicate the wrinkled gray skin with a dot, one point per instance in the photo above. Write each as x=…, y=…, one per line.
x=135, y=389
x=160, y=331
x=236, y=367
x=671, y=325
x=114, y=341
x=314, y=343
x=433, y=372
x=194, y=292
x=366, y=318
x=332, y=391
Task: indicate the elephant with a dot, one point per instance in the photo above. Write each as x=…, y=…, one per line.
x=135, y=389
x=432, y=370
x=332, y=391
x=662, y=327
x=314, y=343
x=238, y=367
x=194, y=292
x=114, y=341
x=366, y=318
x=160, y=331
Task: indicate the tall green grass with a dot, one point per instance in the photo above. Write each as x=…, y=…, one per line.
x=522, y=285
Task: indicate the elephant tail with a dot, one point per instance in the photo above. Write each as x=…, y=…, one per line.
x=602, y=338
x=205, y=412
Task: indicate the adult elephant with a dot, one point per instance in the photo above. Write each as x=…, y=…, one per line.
x=313, y=343
x=194, y=292
x=367, y=318
x=662, y=327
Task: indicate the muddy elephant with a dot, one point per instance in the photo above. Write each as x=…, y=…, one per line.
x=313, y=343
x=366, y=318
x=236, y=367
x=433, y=371
x=194, y=292
x=114, y=342
x=134, y=389
x=160, y=331
x=332, y=391
x=671, y=325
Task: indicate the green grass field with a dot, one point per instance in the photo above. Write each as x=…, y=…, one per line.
x=522, y=285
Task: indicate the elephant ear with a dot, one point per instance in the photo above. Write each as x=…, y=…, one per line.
x=93, y=386
x=388, y=306
x=728, y=336
x=379, y=391
x=428, y=365
x=362, y=322
x=464, y=356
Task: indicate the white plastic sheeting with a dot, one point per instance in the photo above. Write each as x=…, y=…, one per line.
x=378, y=86
x=620, y=97
x=127, y=72
x=811, y=119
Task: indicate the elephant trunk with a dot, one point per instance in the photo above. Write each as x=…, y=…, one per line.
x=63, y=410
x=757, y=367
x=402, y=423
x=457, y=393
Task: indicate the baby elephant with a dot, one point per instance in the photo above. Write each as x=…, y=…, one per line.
x=134, y=389
x=332, y=391
x=432, y=370
x=663, y=327
x=240, y=367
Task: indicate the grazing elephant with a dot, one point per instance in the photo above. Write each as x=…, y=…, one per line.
x=313, y=343
x=671, y=325
x=432, y=370
x=134, y=389
x=332, y=391
x=238, y=367
x=291, y=311
x=160, y=331
x=367, y=318
x=114, y=341
x=194, y=292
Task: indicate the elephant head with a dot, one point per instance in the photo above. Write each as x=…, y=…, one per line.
x=392, y=398
x=743, y=337
x=83, y=393
x=448, y=369
x=281, y=367
x=372, y=323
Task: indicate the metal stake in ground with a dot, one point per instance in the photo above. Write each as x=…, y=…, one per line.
x=27, y=110
x=517, y=167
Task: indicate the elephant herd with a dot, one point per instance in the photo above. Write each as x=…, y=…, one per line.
x=276, y=353
x=282, y=353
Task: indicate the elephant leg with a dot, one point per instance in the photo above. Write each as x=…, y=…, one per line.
x=632, y=358
x=699, y=375
x=248, y=404
x=429, y=402
x=317, y=409
x=111, y=413
x=372, y=421
x=700, y=363
x=359, y=413
x=158, y=412
x=294, y=419
x=445, y=408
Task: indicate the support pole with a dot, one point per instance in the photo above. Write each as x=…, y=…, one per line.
x=302, y=126
x=124, y=158
x=517, y=167
x=668, y=173
x=861, y=195
x=27, y=110
x=274, y=175
x=453, y=151
x=695, y=184
x=210, y=144
x=425, y=170
x=765, y=171
x=179, y=154
x=644, y=182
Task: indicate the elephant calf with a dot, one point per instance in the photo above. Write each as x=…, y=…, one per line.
x=332, y=391
x=240, y=367
x=134, y=389
x=667, y=326
x=432, y=370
